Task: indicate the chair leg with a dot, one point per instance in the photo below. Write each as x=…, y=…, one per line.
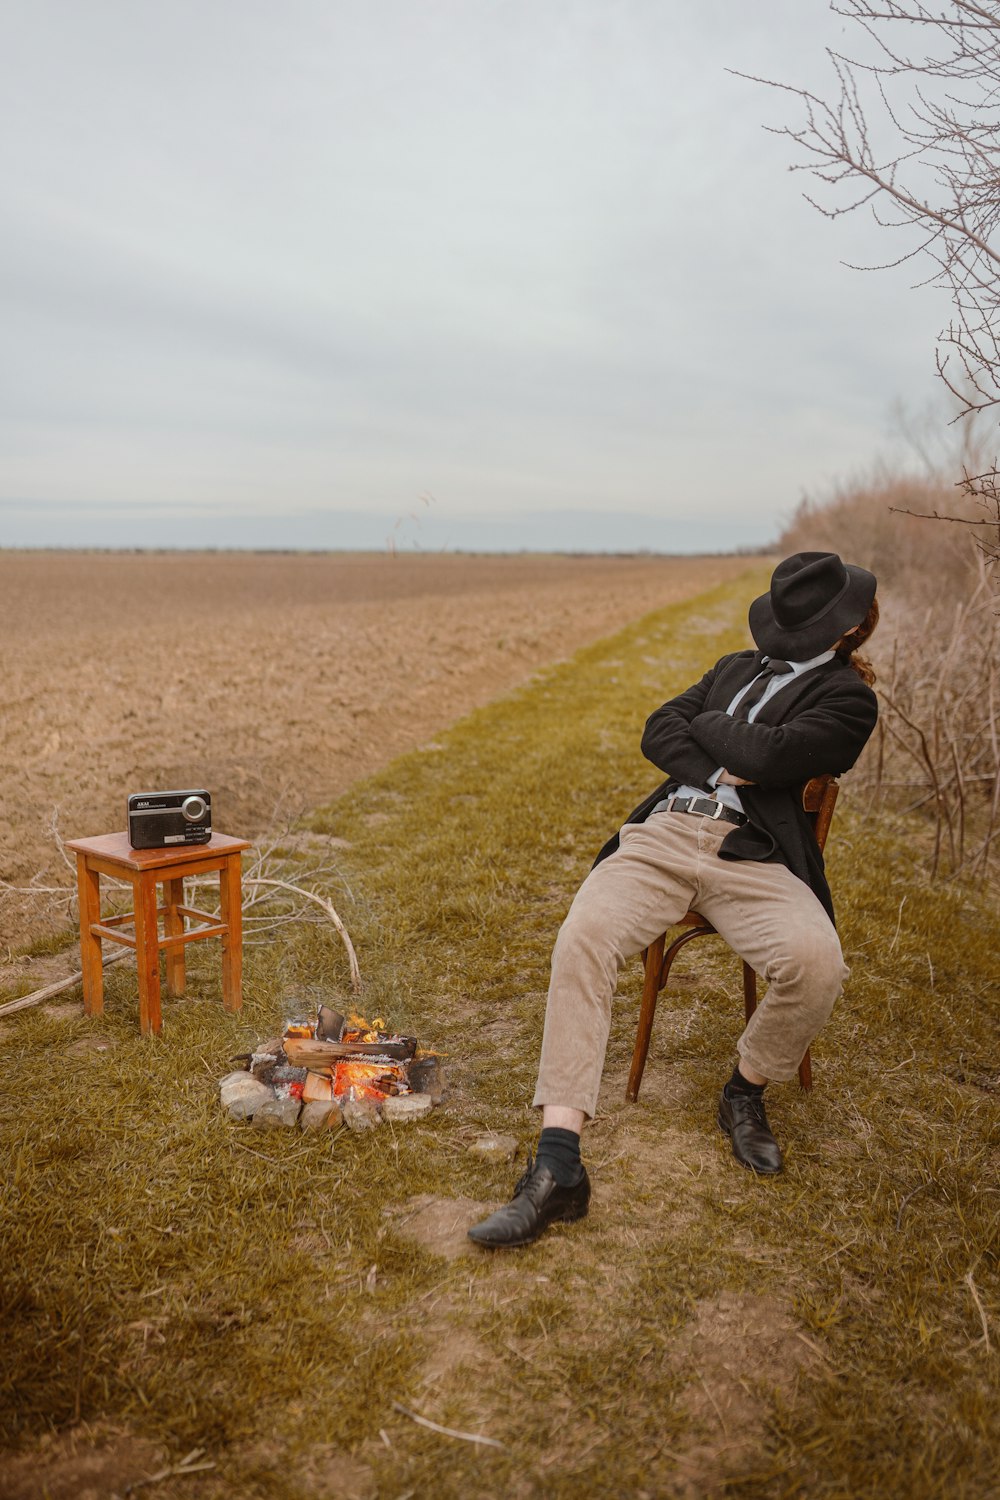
x=647, y=1010
x=658, y=966
x=749, y=990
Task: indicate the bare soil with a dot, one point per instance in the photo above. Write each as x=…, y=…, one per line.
x=274, y=680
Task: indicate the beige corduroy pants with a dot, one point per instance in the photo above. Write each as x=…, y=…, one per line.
x=663, y=868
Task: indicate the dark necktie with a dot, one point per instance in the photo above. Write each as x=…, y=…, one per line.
x=755, y=692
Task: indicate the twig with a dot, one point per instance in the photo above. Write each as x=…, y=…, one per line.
x=306, y=1151
x=57, y=987
x=331, y=912
x=815, y=1347
x=979, y=1308
x=259, y=1154
x=187, y=1465
x=718, y=1409
x=837, y=1250
x=466, y=1437
x=56, y=832
x=931, y=1182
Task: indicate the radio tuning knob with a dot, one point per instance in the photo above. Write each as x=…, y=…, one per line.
x=193, y=809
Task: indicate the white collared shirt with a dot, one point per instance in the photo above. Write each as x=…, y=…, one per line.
x=730, y=794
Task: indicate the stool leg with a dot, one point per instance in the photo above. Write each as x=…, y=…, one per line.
x=231, y=903
x=806, y=1072
x=89, y=888
x=147, y=953
x=173, y=926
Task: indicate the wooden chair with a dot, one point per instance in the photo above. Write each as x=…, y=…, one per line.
x=819, y=797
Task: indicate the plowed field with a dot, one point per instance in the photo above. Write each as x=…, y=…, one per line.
x=273, y=680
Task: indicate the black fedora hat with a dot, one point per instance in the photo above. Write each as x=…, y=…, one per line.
x=814, y=598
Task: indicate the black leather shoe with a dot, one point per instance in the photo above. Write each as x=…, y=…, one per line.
x=743, y=1119
x=538, y=1201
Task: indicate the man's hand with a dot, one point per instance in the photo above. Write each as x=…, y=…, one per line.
x=726, y=778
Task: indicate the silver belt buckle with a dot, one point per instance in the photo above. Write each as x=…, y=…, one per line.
x=718, y=808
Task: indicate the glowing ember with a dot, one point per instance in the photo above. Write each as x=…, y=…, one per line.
x=366, y=1080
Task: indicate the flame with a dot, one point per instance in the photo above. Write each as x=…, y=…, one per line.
x=364, y=1031
x=360, y=1080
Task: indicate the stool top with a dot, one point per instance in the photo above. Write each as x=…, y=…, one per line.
x=116, y=847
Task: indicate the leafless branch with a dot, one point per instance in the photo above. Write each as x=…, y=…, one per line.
x=925, y=84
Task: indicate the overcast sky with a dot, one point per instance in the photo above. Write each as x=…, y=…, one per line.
x=269, y=274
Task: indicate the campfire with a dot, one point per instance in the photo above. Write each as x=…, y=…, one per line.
x=336, y=1069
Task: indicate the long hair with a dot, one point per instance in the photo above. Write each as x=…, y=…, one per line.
x=848, y=647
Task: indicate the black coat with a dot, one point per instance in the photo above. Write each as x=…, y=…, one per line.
x=818, y=724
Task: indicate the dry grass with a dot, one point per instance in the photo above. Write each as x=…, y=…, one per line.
x=187, y=1283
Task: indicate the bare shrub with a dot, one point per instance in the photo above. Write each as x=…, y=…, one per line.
x=937, y=747
x=866, y=521
x=936, y=750
x=909, y=131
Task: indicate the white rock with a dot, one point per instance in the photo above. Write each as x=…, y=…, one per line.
x=231, y=1078
x=495, y=1145
x=360, y=1114
x=402, y=1108
x=243, y=1097
x=321, y=1114
x=275, y=1113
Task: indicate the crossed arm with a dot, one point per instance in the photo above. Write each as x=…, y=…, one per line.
x=689, y=743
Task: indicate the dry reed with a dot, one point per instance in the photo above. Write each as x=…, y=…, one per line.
x=937, y=655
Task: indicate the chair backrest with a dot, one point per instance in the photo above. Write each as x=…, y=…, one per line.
x=819, y=798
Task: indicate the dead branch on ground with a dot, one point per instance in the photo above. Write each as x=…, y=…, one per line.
x=58, y=986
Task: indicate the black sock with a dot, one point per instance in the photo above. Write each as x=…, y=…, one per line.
x=740, y=1085
x=559, y=1150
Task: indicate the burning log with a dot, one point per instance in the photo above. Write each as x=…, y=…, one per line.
x=310, y=1053
x=426, y=1076
x=330, y=1025
x=318, y=1087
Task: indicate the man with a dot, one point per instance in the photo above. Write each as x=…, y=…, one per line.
x=727, y=835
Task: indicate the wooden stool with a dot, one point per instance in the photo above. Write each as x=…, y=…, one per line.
x=112, y=854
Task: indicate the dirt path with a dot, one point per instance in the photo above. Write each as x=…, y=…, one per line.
x=273, y=680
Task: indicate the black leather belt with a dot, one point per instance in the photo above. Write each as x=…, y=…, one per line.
x=707, y=807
